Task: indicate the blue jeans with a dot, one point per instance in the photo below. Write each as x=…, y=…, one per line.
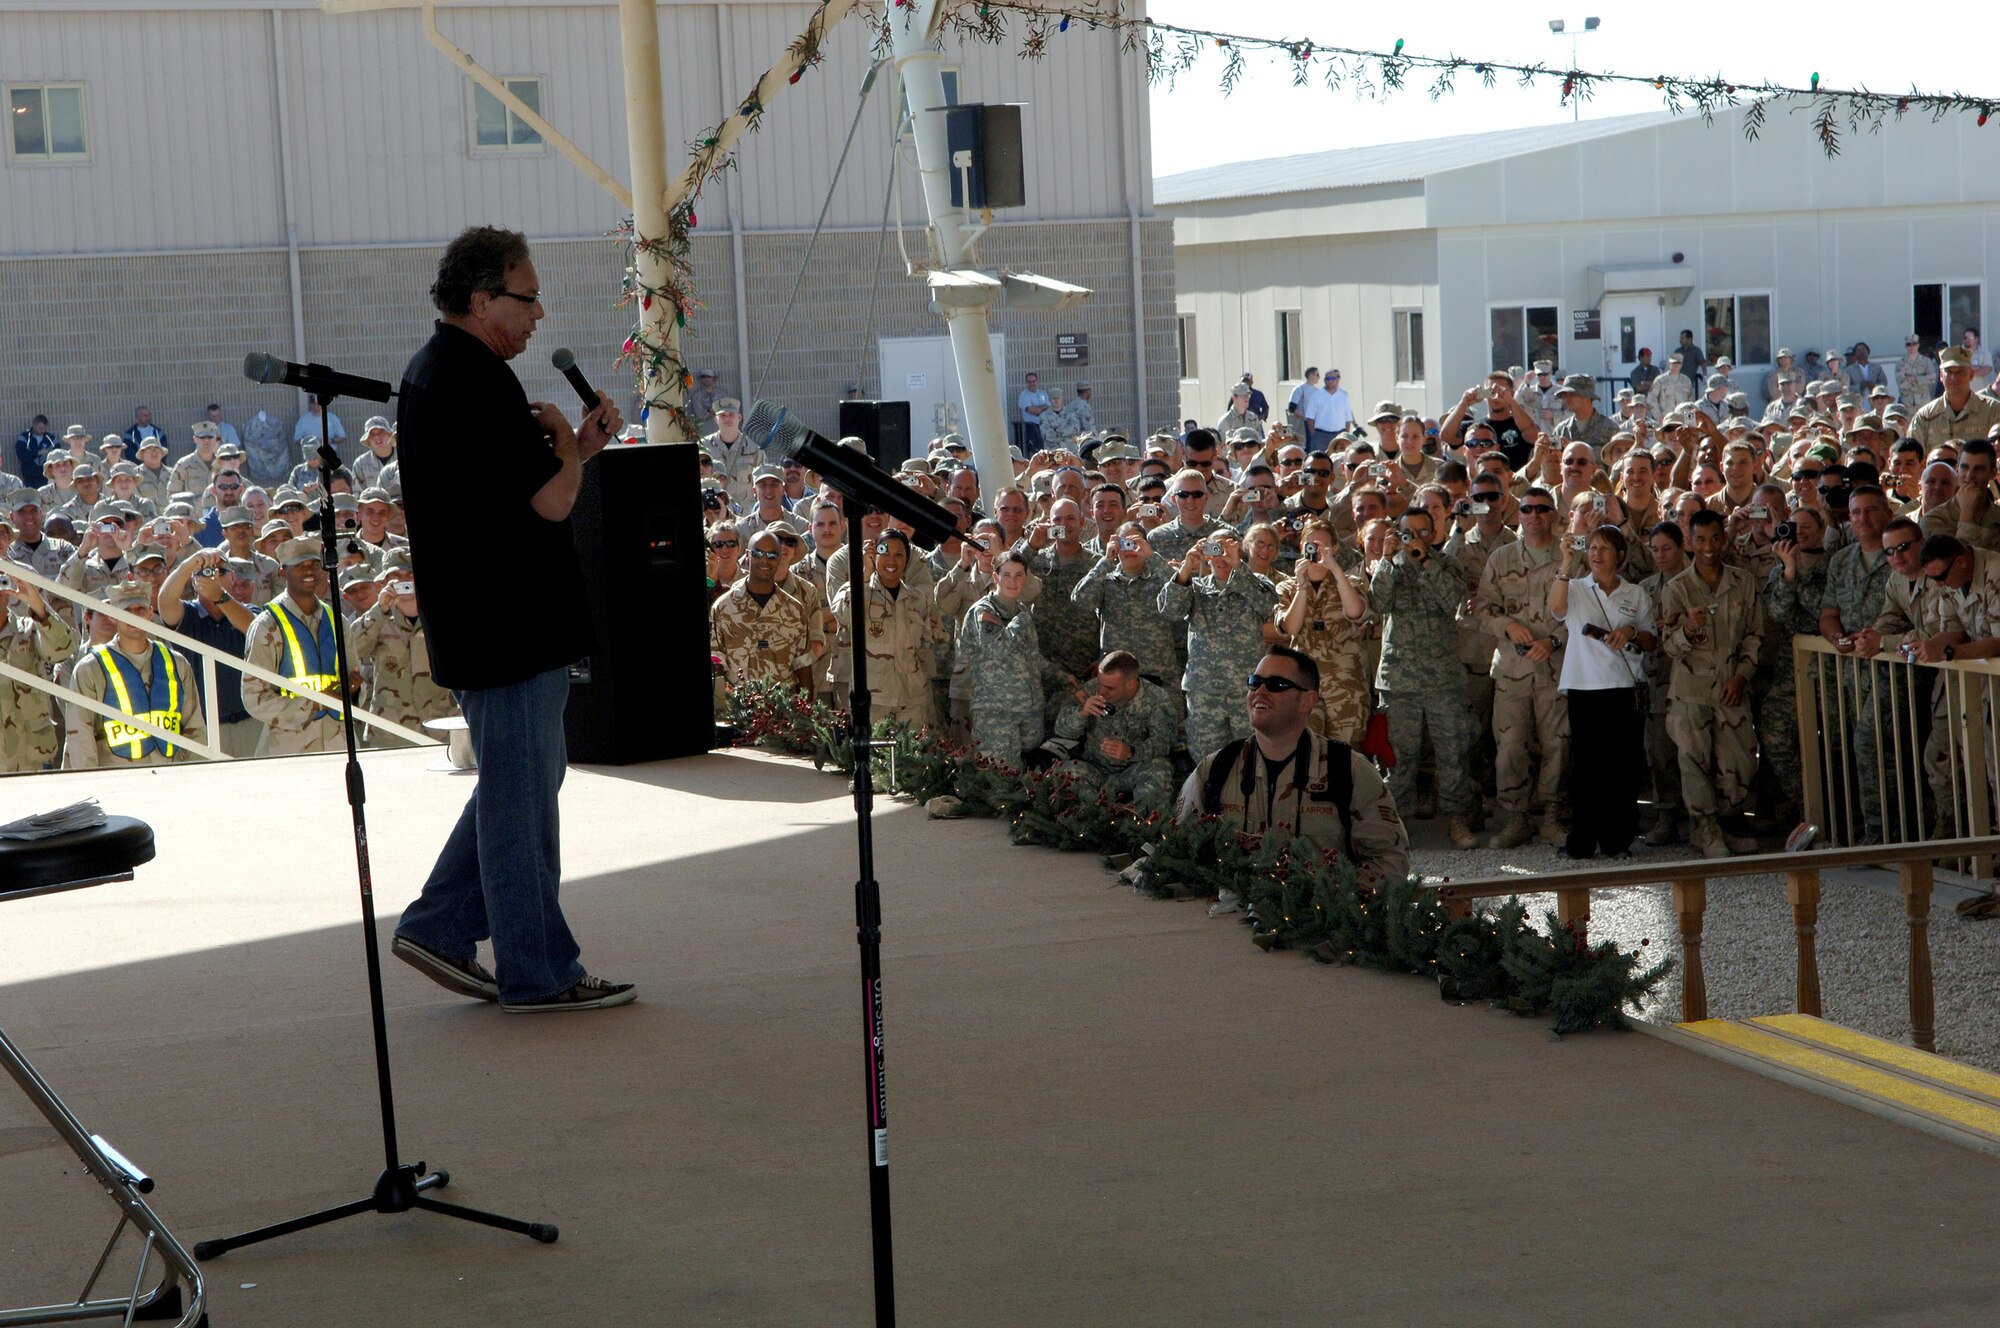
x=1320, y=440
x=499, y=873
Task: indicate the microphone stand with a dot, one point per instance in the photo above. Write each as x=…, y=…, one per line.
x=401, y=1186
x=868, y=922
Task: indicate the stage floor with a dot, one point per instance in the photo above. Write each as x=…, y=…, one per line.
x=1103, y=1109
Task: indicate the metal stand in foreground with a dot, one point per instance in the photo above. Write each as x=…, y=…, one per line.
x=402, y=1185
x=868, y=924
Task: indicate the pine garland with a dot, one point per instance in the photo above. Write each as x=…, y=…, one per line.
x=1295, y=897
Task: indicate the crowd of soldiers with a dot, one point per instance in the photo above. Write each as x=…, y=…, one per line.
x=194, y=546
x=1124, y=591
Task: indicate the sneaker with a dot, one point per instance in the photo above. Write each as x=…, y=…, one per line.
x=589, y=993
x=467, y=977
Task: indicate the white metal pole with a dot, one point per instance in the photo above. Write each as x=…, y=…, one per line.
x=646, y=129
x=918, y=62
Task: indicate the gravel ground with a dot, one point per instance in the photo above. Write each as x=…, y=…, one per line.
x=1748, y=949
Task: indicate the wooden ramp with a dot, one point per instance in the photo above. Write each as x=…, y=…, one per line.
x=1925, y=1091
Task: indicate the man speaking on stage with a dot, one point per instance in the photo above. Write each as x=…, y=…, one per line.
x=485, y=470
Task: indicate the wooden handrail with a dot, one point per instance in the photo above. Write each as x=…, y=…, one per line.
x=1656, y=871
x=1689, y=879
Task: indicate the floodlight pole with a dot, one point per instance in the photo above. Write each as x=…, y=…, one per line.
x=918, y=63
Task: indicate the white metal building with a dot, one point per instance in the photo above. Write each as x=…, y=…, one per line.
x=185, y=180
x=1415, y=268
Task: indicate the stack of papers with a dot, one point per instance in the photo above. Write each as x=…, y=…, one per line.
x=62, y=821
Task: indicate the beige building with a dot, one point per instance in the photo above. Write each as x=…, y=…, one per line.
x=1415, y=268
x=189, y=180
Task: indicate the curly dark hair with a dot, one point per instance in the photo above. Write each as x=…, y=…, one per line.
x=477, y=260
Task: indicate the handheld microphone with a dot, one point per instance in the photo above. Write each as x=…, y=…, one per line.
x=260, y=367
x=565, y=363
x=772, y=428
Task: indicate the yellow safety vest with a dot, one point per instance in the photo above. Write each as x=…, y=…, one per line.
x=319, y=682
x=127, y=740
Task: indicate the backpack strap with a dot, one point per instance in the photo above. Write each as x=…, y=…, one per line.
x=1218, y=772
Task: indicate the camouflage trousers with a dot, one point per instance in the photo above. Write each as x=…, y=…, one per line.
x=1774, y=697
x=1530, y=721
x=1344, y=704
x=1145, y=781
x=1005, y=734
x=1443, y=715
x=1718, y=755
x=1213, y=718
x=1661, y=756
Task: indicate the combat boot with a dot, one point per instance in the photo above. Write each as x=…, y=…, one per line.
x=1512, y=834
x=1705, y=837
x=1666, y=830
x=1461, y=832
x=1554, y=832
x=1738, y=844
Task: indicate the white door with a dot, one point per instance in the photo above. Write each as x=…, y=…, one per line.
x=921, y=371
x=1630, y=322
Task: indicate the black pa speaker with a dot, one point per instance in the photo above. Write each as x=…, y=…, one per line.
x=647, y=692
x=998, y=175
x=883, y=425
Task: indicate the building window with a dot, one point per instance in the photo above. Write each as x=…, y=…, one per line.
x=1739, y=326
x=495, y=127
x=1187, y=346
x=1290, y=366
x=1524, y=333
x=1943, y=312
x=1410, y=347
x=47, y=121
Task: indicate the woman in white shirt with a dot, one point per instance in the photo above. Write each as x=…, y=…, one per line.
x=1610, y=621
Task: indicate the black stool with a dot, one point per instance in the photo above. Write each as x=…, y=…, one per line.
x=98, y=856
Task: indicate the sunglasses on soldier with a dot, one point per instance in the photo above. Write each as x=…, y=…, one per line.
x=1274, y=685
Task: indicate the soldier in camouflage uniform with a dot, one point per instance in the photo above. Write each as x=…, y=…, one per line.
x=1669, y=551
x=1188, y=493
x=736, y=457
x=899, y=630
x=1712, y=623
x=1124, y=592
x=1792, y=595
x=1004, y=665
x=1123, y=730
x=1914, y=610
x=293, y=637
x=1067, y=630
x=1417, y=596
x=760, y=630
x=389, y=641
x=129, y=673
x=1529, y=714
x=1226, y=607
x=194, y=472
x=32, y=638
x=378, y=449
x=1857, y=584
x=1059, y=427
x=1323, y=611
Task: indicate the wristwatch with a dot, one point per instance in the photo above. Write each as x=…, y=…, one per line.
x=1950, y=652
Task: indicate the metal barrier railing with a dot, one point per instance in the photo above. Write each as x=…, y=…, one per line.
x=207, y=655
x=1689, y=881
x=1895, y=748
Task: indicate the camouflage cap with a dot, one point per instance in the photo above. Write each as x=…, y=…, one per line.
x=1897, y=411
x=711, y=485
x=128, y=594
x=345, y=502
x=287, y=496
x=1239, y=437
x=1716, y=383
x=205, y=429
x=1954, y=357
x=1737, y=399
x=358, y=575
x=1879, y=390
x=146, y=553
x=298, y=552
x=125, y=469
x=107, y=509
x=180, y=511
x=273, y=527
x=24, y=498
x=1785, y=353
x=396, y=559
x=1849, y=401
x=1386, y=410
x=242, y=567
x=1869, y=423
x=767, y=473
x=376, y=422
x=375, y=493
x=228, y=452
x=235, y=516
x=58, y=459
x=78, y=431
x=1118, y=451
x=153, y=444
x=915, y=466
x=730, y=404
x=1579, y=385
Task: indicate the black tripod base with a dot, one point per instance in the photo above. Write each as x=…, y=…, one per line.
x=396, y=1191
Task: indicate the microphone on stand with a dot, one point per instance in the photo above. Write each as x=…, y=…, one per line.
x=853, y=473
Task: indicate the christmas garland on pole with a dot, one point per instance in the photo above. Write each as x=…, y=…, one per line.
x=1294, y=896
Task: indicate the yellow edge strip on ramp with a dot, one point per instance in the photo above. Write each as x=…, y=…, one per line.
x=1863, y=1079
x=1921, y=1063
